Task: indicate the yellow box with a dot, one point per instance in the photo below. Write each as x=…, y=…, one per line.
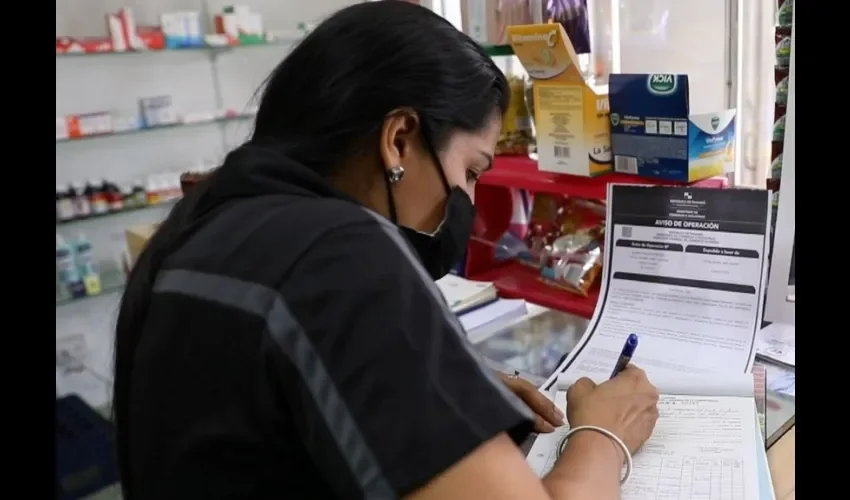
x=570, y=114
x=137, y=238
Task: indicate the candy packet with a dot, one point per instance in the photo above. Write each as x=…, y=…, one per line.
x=563, y=240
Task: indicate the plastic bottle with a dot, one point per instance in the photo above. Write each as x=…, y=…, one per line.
x=69, y=276
x=153, y=191
x=113, y=196
x=82, y=207
x=97, y=197
x=84, y=259
x=128, y=197
x=64, y=205
x=139, y=194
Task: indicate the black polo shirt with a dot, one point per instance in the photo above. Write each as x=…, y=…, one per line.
x=295, y=348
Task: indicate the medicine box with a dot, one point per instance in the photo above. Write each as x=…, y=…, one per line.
x=654, y=135
x=570, y=113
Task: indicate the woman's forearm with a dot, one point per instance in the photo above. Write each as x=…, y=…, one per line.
x=589, y=469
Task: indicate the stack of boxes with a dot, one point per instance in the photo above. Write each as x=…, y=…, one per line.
x=637, y=124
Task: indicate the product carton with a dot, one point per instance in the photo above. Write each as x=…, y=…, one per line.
x=654, y=135
x=570, y=114
x=121, y=27
x=241, y=25
x=137, y=238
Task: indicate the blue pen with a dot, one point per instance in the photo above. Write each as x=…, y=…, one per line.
x=626, y=354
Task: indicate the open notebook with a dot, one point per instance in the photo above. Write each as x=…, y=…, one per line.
x=706, y=443
x=463, y=295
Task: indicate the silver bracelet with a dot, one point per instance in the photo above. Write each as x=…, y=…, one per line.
x=563, y=444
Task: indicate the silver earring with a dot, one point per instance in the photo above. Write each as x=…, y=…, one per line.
x=395, y=174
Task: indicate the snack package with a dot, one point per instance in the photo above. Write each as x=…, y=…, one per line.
x=564, y=241
x=786, y=13
x=569, y=242
x=782, y=89
x=776, y=168
x=783, y=47
x=516, y=137
x=779, y=129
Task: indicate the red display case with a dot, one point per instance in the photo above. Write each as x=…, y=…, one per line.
x=493, y=201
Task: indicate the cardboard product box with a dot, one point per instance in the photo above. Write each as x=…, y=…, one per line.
x=654, y=135
x=570, y=113
x=137, y=238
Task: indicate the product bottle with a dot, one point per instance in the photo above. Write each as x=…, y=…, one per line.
x=113, y=196
x=82, y=207
x=97, y=197
x=128, y=197
x=69, y=276
x=152, y=190
x=64, y=205
x=84, y=259
x=139, y=194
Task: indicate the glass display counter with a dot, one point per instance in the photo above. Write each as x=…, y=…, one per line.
x=535, y=346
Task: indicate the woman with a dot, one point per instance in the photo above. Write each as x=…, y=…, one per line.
x=281, y=336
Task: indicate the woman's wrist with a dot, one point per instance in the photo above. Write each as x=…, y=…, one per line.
x=592, y=443
x=589, y=467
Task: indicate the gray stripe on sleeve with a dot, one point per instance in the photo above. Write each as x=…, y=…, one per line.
x=283, y=328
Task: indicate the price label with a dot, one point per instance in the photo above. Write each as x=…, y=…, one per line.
x=92, y=284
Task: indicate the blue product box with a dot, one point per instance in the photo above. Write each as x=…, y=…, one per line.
x=654, y=135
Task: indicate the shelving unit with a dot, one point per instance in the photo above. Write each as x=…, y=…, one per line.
x=106, y=291
x=63, y=223
x=521, y=172
x=492, y=50
x=211, y=48
x=493, y=202
x=223, y=119
x=112, y=81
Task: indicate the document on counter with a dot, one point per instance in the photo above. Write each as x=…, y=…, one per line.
x=777, y=342
x=685, y=270
x=705, y=444
x=482, y=322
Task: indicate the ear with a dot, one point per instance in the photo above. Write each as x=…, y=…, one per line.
x=399, y=134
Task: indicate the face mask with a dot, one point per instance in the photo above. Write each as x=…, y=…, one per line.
x=441, y=251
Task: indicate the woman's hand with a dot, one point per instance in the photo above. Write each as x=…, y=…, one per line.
x=625, y=405
x=548, y=416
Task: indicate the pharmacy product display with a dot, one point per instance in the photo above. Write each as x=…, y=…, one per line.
x=233, y=26
x=561, y=238
x=155, y=112
x=97, y=197
x=79, y=274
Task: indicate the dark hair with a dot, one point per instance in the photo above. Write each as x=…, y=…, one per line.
x=324, y=101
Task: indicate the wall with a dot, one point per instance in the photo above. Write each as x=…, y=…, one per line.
x=114, y=83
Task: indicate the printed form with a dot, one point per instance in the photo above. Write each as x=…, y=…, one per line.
x=685, y=271
x=703, y=447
